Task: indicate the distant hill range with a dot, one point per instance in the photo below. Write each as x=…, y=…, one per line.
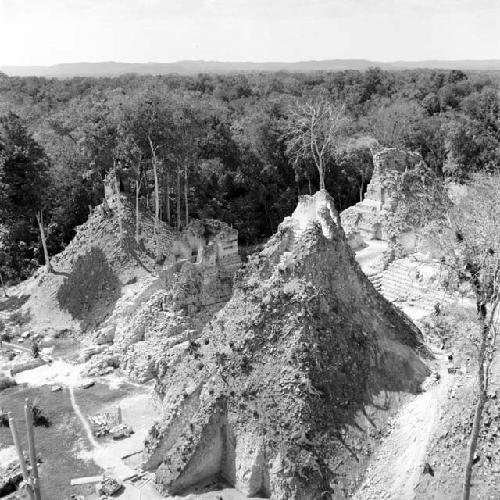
x=69, y=70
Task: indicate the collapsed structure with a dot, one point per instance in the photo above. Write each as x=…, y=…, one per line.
x=196, y=282
x=193, y=278
x=367, y=219
x=287, y=387
x=132, y=291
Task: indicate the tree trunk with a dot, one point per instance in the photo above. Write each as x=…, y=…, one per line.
x=157, y=188
x=119, y=201
x=482, y=390
x=48, y=265
x=186, y=201
x=3, y=286
x=157, y=197
x=137, y=187
x=178, y=197
x=167, y=189
x=321, y=176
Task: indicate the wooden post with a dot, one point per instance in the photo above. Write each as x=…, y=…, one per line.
x=28, y=412
x=119, y=414
x=20, y=455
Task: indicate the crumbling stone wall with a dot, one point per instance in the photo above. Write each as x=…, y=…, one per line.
x=208, y=242
x=195, y=282
x=389, y=164
x=367, y=220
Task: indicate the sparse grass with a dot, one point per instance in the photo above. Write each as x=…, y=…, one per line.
x=19, y=318
x=100, y=396
x=56, y=445
x=10, y=303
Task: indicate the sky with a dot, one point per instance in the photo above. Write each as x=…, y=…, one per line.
x=44, y=32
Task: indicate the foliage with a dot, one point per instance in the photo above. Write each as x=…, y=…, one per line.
x=24, y=181
x=224, y=144
x=472, y=245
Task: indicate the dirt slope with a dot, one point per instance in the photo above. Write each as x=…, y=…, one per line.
x=91, y=272
x=290, y=387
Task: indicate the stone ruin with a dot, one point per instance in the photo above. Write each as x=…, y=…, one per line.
x=208, y=242
x=204, y=258
x=192, y=280
x=195, y=282
x=367, y=219
x=290, y=376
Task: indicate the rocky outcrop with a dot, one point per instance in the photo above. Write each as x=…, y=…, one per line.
x=366, y=220
x=287, y=389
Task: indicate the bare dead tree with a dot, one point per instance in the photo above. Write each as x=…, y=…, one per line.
x=186, y=191
x=178, y=183
x=476, y=223
x=116, y=190
x=470, y=239
x=154, y=163
x=48, y=265
x=137, y=220
x=313, y=131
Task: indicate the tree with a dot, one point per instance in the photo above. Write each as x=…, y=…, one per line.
x=130, y=162
x=312, y=132
x=393, y=122
x=470, y=242
x=475, y=222
x=190, y=117
x=147, y=119
x=354, y=160
x=24, y=179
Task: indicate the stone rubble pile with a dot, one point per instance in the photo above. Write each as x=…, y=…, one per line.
x=304, y=341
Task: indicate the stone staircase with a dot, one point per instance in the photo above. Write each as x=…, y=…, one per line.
x=402, y=281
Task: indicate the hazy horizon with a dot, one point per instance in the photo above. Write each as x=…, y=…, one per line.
x=249, y=61
x=52, y=32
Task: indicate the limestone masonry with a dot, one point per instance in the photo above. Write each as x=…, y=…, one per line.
x=290, y=375
x=366, y=220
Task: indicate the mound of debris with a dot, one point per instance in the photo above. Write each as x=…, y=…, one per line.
x=165, y=310
x=366, y=220
x=110, y=270
x=288, y=388
x=90, y=272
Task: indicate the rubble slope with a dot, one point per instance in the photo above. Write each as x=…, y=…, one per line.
x=92, y=271
x=290, y=386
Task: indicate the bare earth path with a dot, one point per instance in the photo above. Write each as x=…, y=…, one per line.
x=16, y=346
x=108, y=456
x=399, y=462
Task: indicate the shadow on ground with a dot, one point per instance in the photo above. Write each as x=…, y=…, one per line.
x=89, y=293
x=13, y=302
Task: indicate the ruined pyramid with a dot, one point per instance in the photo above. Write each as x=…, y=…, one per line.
x=289, y=387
